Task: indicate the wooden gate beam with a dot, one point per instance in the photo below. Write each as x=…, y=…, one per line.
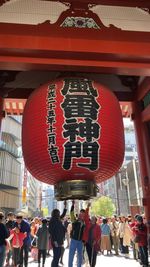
x=26, y=47
x=124, y=3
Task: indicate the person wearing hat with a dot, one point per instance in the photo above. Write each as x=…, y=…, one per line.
x=140, y=232
x=3, y=235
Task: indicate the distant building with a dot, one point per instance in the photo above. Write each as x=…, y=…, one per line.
x=18, y=192
x=31, y=190
x=10, y=166
x=125, y=188
x=48, y=200
x=33, y=196
x=130, y=144
x=110, y=190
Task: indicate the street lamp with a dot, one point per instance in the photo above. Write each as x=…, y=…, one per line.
x=126, y=183
x=123, y=182
x=124, y=187
x=136, y=182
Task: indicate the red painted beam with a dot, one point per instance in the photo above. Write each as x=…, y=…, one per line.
x=45, y=36
x=124, y=3
x=146, y=114
x=2, y=2
x=1, y=110
x=120, y=68
x=143, y=89
x=25, y=47
x=142, y=142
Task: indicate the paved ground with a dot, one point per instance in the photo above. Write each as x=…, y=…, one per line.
x=102, y=261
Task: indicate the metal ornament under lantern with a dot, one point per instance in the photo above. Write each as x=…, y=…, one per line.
x=75, y=189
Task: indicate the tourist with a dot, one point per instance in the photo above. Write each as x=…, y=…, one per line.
x=57, y=234
x=126, y=236
x=140, y=232
x=3, y=235
x=78, y=235
x=24, y=227
x=114, y=228
x=17, y=238
x=42, y=241
x=10, y=224
x=105, y=237
x=92, y=244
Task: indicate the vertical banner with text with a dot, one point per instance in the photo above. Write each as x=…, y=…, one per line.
x=24, y=189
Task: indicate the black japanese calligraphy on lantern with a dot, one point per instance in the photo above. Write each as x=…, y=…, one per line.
x=80, y=106
x=87, y=129
x=78, y=150
x=81, y=128
x=78, y=86
x=51, y=120
x=72, y=150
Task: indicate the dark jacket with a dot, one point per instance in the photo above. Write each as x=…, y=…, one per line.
x=25, y=227
x=78, y=226
x=10, y=225
x=57, y=231
x=77, y=230
x=3, y=234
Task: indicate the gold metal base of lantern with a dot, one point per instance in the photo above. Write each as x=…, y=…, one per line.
x=75, y=189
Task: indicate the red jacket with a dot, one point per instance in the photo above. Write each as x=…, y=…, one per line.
x=17, y=238
x=97, y=237
x=96, y=234
x=141, y=231
x=87, y=223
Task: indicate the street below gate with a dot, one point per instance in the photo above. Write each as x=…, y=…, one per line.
x=102, y=261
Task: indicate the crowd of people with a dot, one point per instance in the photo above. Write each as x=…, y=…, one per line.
x=85, y=236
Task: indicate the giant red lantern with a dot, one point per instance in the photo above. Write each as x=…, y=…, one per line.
x=73, y=136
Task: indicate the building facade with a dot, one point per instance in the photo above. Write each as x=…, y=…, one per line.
x=125, y=187
x=10, y=166
x=18, y=192
x=48, y=201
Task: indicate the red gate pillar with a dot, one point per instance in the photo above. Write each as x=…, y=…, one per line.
x=144, y=163
x=1, y=111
